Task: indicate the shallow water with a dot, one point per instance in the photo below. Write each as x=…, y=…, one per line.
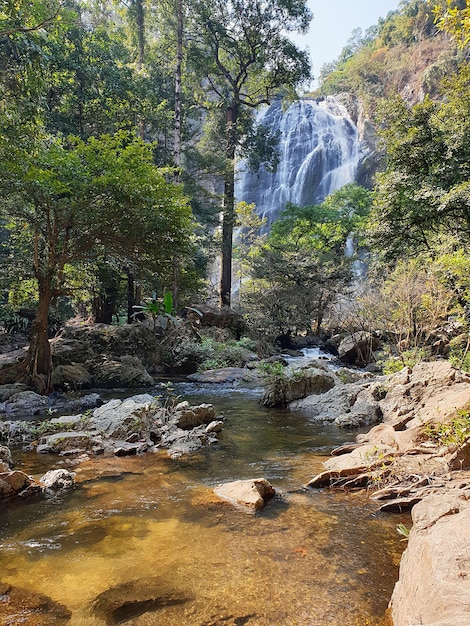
x=311, y=558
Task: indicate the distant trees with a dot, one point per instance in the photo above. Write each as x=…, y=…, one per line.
x=423, y=195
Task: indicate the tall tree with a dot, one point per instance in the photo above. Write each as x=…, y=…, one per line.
x=242, y=48
x=72, y=201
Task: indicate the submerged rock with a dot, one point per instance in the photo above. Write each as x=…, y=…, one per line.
x=21, y=606
x=134, y=598
x=251, y=495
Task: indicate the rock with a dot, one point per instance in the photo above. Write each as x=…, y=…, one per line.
x=134, y=598
x=434, y=572
x=5, y=456
x=126, y=448
x=6, y=391
x=297, y=384
x=224, y=375
x=71, y=377
x=57, y=479
x=347, y=405
x=459, y=460
x=358, y=348
x=359, y=462
x=21, y=606
x=215, y=427
x=14, y=483
x=251, y=495
x=223, y=317
x=429, y=392
x=118, y=418
x=127, y=372
x=25, y=402
x=70, y=441
x=195, y=416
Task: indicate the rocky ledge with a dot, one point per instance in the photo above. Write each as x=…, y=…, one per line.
x=120, y=427
x=418, y=459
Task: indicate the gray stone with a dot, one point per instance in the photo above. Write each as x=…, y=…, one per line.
x=57, y=479
x=71, y=377
x=358, y=348
x=224, y=375
x=76, y=440
x=118, y=418
x=5, y=455
x=127, y=372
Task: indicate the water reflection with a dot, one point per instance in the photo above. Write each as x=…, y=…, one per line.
x=142, y=540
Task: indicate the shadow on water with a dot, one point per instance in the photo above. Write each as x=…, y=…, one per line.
x=143, y=540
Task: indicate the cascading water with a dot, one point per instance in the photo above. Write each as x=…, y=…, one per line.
x=319, y=152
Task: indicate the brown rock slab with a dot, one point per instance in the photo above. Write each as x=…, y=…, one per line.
x=433, y=586
x=251, y=495
x=21, y=606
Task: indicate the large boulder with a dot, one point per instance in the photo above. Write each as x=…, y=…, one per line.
x=250, y=495
x=433, y=585
x=358, y=348
x=71, y=377
x=347, y=405
x=57, y=479
x=295, y=384
x=428, y=392
x=119, y=418
x=127, y=372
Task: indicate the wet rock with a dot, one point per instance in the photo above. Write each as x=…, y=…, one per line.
x=119, y=418
x=25, y=402
x=57, y=479
x=71, y=376
x=224, y=375
x=297, y=384
x=127, y=372
x=215, y=427
x=251, y=495
x=67, y=441
x=5, y=456
x=21, y=606
x=134, y=598
x=434, y=572
x=13, y=483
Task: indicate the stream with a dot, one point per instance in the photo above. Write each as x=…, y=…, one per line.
x=310, y=558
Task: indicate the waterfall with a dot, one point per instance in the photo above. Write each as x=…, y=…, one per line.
x=319, y=152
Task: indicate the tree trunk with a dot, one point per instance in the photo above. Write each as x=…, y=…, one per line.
x=177, y=128
x=228, y=217
x=39, y=357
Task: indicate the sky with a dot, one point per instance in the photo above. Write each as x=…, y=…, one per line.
x=332, y=24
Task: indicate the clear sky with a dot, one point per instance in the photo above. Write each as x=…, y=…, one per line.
x=332, y=24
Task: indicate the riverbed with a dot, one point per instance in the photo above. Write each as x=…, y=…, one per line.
x=311, y=558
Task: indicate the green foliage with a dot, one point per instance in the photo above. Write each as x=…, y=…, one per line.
x=454, y=20
x=407, y=358
x=450, y=434
x=210, y=354
x=297, y=271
